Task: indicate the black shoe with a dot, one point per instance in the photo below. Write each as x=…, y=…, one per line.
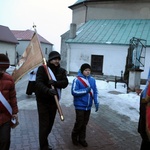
x=74, y=139
x=83, y=143
x=75, y=142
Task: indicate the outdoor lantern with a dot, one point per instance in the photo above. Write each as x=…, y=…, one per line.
x=137, y=51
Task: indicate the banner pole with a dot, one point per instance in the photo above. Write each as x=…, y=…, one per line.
x=49, y=76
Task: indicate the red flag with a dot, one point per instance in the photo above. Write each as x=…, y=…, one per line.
x=148, y=110
x=148, y=120
x=148, y=92
x=31, y=58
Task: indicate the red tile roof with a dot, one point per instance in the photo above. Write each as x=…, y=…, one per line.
x=26, y=35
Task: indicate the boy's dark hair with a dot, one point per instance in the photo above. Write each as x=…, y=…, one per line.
x=85, y=66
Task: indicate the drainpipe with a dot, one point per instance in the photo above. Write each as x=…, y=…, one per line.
x=68, y=58
x=85, y=11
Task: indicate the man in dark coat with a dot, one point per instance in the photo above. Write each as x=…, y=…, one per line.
x=45, y=96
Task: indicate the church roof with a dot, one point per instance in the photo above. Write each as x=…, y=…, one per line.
x=109, y=31
x=80, y=1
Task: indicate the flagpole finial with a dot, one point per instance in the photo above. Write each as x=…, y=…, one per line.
x=34, y=27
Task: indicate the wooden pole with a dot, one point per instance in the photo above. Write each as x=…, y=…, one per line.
x=55, y=96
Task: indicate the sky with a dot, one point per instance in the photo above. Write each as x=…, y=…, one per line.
x=51, y=17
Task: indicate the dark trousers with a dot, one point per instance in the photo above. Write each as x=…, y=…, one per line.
x=5, y=136
x=79, y=130
x=47, y=115
x=30, y=87
x=145, y=145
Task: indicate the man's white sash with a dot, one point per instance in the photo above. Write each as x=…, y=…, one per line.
x=54, y=78
x=8, y=109
x=5, y=104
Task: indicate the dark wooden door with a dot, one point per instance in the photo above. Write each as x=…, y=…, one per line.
x=97, y=64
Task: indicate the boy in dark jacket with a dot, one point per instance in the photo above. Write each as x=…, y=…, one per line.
x=45, y=96
x=85, y=92
x=8, y=103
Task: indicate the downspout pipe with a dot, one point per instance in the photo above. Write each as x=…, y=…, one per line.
x=68, y=58
x=86, y=7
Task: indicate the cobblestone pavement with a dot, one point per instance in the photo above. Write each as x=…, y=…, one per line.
x=106, y=129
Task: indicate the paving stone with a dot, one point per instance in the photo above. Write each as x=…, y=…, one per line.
x=106, y=130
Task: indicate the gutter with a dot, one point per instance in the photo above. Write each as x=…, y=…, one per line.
x=86, y=7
